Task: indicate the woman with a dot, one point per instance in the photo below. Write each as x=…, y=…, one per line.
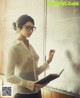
x=22, y=69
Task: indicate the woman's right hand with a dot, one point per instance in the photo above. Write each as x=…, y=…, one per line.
x=39, y=86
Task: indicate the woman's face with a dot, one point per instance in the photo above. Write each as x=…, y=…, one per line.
x=27, y=29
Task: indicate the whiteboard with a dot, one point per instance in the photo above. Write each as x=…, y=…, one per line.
x=63, y=35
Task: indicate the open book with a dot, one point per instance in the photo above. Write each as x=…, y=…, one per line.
x=48, y=78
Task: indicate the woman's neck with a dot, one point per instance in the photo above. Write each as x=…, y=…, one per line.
x=22, y=37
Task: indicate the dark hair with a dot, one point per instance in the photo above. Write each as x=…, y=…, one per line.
x=21, y=21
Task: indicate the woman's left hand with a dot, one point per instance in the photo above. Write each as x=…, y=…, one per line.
x=51, y=54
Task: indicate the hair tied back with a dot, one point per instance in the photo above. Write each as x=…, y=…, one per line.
x=14, y=26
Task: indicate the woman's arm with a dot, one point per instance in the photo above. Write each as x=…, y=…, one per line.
x=46, y=64
x=11, y=77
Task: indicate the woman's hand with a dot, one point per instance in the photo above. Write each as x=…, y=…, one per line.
x=39, y=86
x=51, y=54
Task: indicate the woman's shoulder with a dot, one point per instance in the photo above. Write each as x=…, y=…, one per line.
x=15, y=44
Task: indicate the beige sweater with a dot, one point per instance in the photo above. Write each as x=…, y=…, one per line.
x=22, y=68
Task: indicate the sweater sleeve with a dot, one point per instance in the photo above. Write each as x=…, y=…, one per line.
x=10, y=69
x=42, y=68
